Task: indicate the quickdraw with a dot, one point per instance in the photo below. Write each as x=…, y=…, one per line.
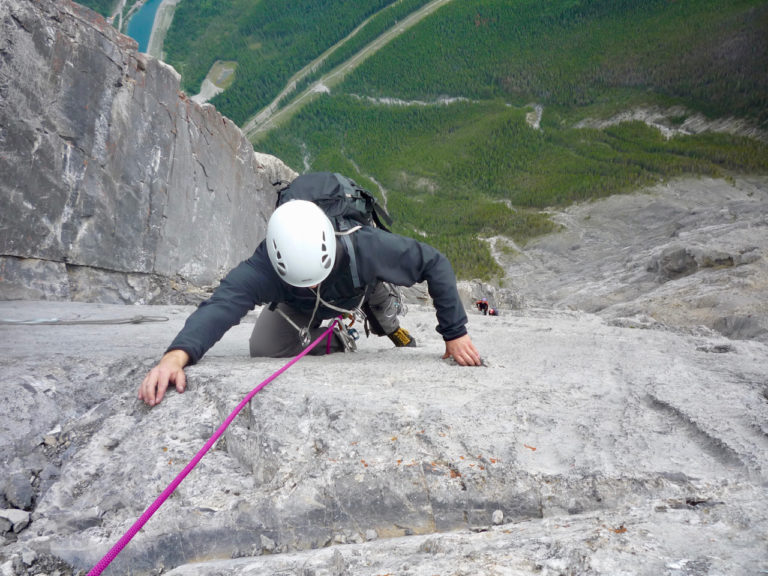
x=304, y=333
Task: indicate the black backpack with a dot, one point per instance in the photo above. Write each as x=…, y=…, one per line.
x=345, y=203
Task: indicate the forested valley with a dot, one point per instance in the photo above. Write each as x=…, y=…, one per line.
x=438, y=122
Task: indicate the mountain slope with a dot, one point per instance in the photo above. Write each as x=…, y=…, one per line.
x=463, y=162
x=438, y=120
x=587, y=444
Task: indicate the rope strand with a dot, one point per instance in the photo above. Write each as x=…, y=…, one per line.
x=133, y=530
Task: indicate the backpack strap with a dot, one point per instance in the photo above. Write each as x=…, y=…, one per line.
x=347, y=241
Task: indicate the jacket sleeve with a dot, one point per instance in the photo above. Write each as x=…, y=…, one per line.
x=250, y=283
x=404, y=262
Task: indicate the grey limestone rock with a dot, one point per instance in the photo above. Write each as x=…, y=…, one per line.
x=18, y=490
x=690, y=253
x=111, y=176
x=14, y=520
x=629, y=442
x=582, y=447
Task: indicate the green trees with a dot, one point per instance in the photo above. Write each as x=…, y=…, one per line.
x=269, y=40
x=570, y=53
x=457, y=174
x=457, y=161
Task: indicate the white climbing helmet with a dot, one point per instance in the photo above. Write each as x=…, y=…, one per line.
x=301, y=243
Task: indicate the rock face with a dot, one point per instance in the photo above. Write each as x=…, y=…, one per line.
x=583, y=447
x=618, y=427
x=687, y=253
x=116, y=187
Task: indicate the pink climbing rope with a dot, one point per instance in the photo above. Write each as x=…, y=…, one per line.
x=138, y=525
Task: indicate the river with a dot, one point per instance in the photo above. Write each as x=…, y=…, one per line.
x=140, y=25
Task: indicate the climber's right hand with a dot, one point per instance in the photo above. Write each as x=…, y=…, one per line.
x=170, y=370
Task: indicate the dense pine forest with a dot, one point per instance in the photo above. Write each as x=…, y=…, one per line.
x=439, y=122
x=457, y=173
x=269, y=41
x=371, y=29
x=710, y=53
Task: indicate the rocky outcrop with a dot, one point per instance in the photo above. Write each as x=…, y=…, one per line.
x=688, y=253
x=582, y=447
x=473, y=290
x=116, y=187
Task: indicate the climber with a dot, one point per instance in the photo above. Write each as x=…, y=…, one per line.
x=308, y=276
x=482, y=305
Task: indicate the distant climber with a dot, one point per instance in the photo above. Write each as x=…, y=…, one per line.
x=487, y=310
x=306, y=274
x=482, y=305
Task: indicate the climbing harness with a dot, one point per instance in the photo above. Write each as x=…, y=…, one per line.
x=133, y=530
x=344, y=236
x=304, y=336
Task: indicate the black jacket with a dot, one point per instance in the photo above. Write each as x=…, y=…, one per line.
x=379, y=256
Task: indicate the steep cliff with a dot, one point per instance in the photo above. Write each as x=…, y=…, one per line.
x=116, y=187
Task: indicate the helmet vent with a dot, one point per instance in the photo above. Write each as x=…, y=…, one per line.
x=326, y=261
